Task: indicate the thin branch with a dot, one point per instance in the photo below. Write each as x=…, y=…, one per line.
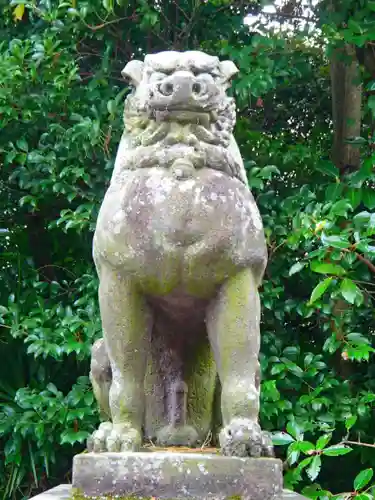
x=181, y=10
x=369, y=264
x=288, y=16
x=114, y=21
x=358, y=443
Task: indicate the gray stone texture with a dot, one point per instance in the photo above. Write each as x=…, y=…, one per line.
x=180, y=252
x=61, y=492
x=177, y=475
x=64, y=492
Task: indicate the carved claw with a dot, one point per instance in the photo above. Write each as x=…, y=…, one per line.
x=114, y=437
x=244, y=438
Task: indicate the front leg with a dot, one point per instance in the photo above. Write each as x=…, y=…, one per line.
x=233, y=320
x=126, y=321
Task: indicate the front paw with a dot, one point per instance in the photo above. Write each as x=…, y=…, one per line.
x=244, y=438
x=114, y=438
x=184, y=435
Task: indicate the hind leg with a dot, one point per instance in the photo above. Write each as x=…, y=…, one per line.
x=101, y=378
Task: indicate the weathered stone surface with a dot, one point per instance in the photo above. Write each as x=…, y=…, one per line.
x=61, y=492
x=177, y=475
x=180, y=252
x=64, y=492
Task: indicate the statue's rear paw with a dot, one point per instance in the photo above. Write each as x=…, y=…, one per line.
x=184, y=435
x=244, y=438
x=114, y=437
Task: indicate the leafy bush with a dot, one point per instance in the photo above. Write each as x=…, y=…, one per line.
x=61, y=101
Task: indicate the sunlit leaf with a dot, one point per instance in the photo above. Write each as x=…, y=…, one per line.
x=18, y=12
x=320, y=289
x=363, y=478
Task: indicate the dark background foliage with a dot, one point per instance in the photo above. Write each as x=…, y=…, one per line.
x=61, y=100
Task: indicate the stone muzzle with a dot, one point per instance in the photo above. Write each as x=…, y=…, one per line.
x=180, y=90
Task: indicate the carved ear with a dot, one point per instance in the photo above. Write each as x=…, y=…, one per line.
x=228, y=69
x=133, y=72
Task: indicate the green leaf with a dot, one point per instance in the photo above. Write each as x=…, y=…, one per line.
x=337, y=450
x=368, y=198
x=362, y=219
x=314, y=491
x=323, y=441
x=108, y=5
x=341, y=208
x=335, y=241
x=71, y=437
x=354, y=196
x=277, y=368
x=334, y=191
x=304, y=463
x=349, y=290
x=281, y=438
x=363, y=478
x=293, y=368
x=314, y=467
x=350, y=421
x=291, y=351
x=3, y=310
x=323, y=268
x=354, y=26
x=328, y=168
x=308, y=359
x=52, y=388
x=111, y=106
x=320, y=289
x=295, y=430
x=22, y=144
x=266, y=172
x=296, y=268
x=358, y=339
x=293, y=453
x=305, y=446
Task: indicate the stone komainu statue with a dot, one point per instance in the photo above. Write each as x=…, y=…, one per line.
x=180, y=252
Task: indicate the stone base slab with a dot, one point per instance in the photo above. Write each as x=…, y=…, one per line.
x=61, y=492
x=64, y=492
x=176, y=475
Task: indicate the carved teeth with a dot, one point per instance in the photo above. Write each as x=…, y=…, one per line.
x=184, y=116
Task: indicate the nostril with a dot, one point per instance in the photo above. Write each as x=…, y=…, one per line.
x=197, y=88
x=166, y=88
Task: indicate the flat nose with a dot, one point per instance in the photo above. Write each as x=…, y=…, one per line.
x=181, y=86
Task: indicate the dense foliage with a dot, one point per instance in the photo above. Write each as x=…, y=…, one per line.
x=61, y=98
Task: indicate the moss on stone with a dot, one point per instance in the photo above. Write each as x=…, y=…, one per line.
x=201, y=379
x=78, y=495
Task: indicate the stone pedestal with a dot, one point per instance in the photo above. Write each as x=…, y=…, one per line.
x=176, y=475
x=64, y=492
